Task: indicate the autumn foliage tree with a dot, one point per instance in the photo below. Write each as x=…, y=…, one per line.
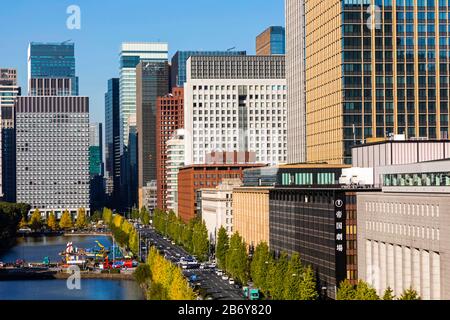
x=66, y=221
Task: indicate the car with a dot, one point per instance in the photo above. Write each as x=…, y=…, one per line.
x=231, y=281
x=173, y=243
x=225, y=277
x=212, y=266
x=168, y=248
x=178, y=255
x=219, y=273
x=202, y=266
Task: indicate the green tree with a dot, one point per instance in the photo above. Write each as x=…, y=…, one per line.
x=200, y=241
x=142, y=274
x=81, y=219
x=410, y=294
x=293, y=279
x=135, y=214
x=346, y=291
x=96, y=217
x=388, y=294
x=277, y=272
x=145, y=216
x=365, y=292
x=134, y=242
x=66, y=221
x=23, y=222
x=237, y=264
x=51, y=222
x=222, y=246
x=36, y=220
x=107, y=216
x=308, y=285
x=260, y=266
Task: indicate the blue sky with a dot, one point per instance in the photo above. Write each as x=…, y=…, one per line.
x=105, y=24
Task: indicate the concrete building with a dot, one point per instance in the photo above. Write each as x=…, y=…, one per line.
x=236, y=103
x=295, y=76
x=170, y=118
x=195, y=177
x=9, y=91
x=371, y=79
x=271, y=41
x=52, y=61
x=51, y=87
x=217, y=207
x=131, y=54
x=112, y=141
x=96, y=166
x=149, y=194
x=152, y=81
x=396, y=152
x=403, y=231
x=175, y=161
x=180, y=58
x=53, y=153
x=251, y=214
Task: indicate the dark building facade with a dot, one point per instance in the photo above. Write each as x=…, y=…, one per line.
x=112, y=141
x=271, y=41
x=170, y=117
x=152, y=81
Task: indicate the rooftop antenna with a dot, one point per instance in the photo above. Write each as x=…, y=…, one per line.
x=231, y=49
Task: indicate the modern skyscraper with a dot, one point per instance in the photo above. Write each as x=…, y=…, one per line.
x=295, y=76
x=236, y=103
x=170, y=117
x=9, y=90
x=112, y=140
x=52, y=60
x=152, y=81
x=179, y=61
x=96, y=169
x=375, y=72
x=271, y=41
x=53, y=153
x=131, y=54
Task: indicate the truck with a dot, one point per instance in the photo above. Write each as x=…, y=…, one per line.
x=251, y=294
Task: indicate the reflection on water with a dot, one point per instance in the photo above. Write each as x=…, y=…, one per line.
x=36, y=249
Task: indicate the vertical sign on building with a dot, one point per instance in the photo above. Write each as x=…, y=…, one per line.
x=340, y=237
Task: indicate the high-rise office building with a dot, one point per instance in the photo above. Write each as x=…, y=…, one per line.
x=9, y=90
x=52, y=60
x=374, y=73
x=271, y=41
x=236, y=103
x=170, y=117
x=295, y=76
x=53, y=153
x=131, y=55
x=175, y=161
x=112, y=139
x=96, y=166
x=152, y=81
x=179, y=61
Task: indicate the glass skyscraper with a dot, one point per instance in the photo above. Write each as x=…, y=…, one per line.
x=380, y=69
x=178, y=66
x=271, y=41
x=52, y=60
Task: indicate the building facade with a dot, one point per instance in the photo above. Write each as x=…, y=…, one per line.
x=53, y=153
x=195, y=177
x=251, y=214
x=96, y=166
x=403, y=231
x=112, y=139
x=179, y=63
x=236, y=104
x=152, y=81
x=175, y=161
x=149, y=196
x=51, y=87
x=374, y=73
x=217, y=208
x=131, y=55
x=271, y=41
x=9, y=91
x=170, y=118
x=295, y=76
x=52, y=60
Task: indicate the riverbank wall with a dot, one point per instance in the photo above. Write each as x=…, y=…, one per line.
x=17, y=274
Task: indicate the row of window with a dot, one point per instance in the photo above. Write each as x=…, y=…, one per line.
x=404, y=230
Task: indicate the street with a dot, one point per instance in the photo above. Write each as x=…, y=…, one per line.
x=210, y=284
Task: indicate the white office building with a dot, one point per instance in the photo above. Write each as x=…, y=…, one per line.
x=236, y=103
x=52, y=147
x=175, y=161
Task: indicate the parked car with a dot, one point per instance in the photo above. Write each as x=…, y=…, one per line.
x=231, y=281
x=219, y=273
x=225, y=277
